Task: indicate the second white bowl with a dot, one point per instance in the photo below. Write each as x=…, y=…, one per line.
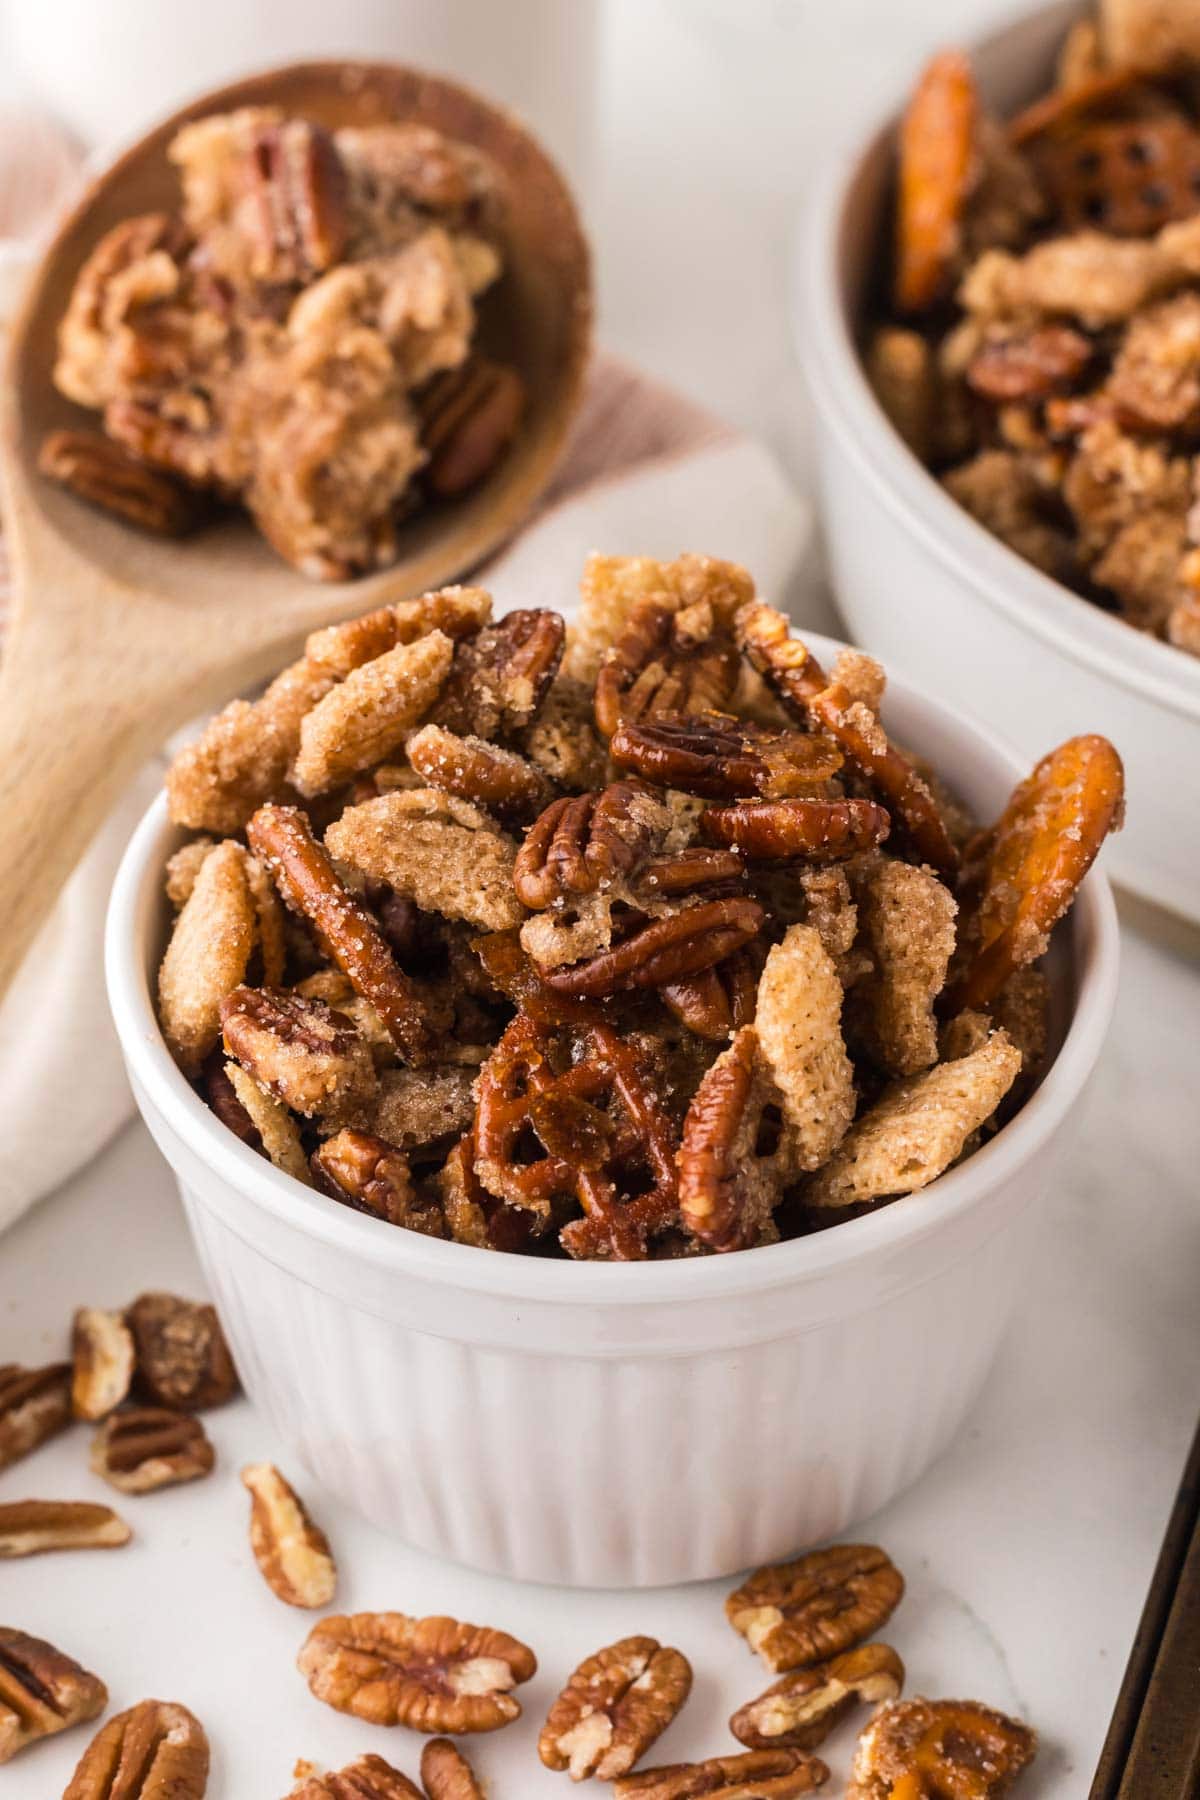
x=632, y=1424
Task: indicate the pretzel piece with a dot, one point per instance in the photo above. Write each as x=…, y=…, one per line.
x=302, y=871
x=937, y=164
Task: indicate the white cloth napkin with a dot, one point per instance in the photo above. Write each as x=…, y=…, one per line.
x=698, y=488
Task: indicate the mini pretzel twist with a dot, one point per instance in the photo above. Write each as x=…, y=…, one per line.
x=656, y=667
x=602, y=1136
x=302, y=871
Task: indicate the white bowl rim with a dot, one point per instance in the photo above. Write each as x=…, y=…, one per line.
x=978, y=560
x=1093, y=922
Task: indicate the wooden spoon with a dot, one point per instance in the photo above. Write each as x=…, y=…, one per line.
x=117, y=638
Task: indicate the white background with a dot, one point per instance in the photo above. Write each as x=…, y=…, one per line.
x=1028, y=1548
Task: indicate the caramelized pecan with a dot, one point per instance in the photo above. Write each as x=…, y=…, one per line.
x=723, y=758
x=756, y=1775
x=469, y=416
x=41, y=1692
x=1029, y=366
x=95, y=469
x=577, y=1119
x=931, y=1748
x=506, y=784
x=663, y=951
x=301, y=1050
x=366, y=1778
x=302, y=871
x=156, y=1750
x=373, y=1176
x=433, y=1675
x=735, y=1155
x=802, y=1612
x=102, y=1359
x=658, y=666
x=29, y=1527
x=292, y=1552
x=500, y=677
x=718, y=1001
x=183, y=1360
x=613, y=1708
x=800, y=1710
x=782, y=830
x=147, y=1447
x=297, y=216
x=585, y=843
x=34, y=1404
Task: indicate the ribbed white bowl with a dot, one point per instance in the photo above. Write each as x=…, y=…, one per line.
x=932, y=593
x=617, y=1425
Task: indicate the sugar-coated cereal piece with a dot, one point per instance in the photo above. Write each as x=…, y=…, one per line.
x=917, y=1129
x=440, y=851
x=456, y=611
x=612, y=587
x=366, y=716
x=274, y=1124
x=907, y=920
x=417, y=1108
x=800, y=1032
x=207, y=956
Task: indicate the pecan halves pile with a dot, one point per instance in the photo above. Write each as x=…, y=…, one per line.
x=800, y=1709
x=927, y=1748
x=41, y=1692
x=613, y=1708
x=803, y=1612
x=156, y=1750
x=434, y=1675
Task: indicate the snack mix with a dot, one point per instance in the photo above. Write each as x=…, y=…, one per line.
x=634, y=939
x=299, y=338
x=1043, y=351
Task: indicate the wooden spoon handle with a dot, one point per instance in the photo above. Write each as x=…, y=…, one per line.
x=67, y=748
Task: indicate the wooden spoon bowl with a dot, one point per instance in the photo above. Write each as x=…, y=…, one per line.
x=117, y=638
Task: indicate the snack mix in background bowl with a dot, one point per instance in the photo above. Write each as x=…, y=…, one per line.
x=637, y=940
x=1041, y=351
x=300, y=337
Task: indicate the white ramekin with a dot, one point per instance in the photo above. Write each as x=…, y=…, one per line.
x=616, y=1425
x=931, y=592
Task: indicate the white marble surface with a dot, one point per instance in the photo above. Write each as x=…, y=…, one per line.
x=1028, y=1548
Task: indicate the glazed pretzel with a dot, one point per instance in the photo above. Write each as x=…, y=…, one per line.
x=282, y=838
x=601, y=1134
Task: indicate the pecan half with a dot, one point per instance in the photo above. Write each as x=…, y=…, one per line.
x=433, y=1675
x=446, y=1774
x=802, y=1612
x=506, y=784
x=805, y=691
x=156, y=1750
x=306, y=879
x=718, y=1001
x=95, y=469
x=308, y=1055
x=723, y=758
x=658, y=666
x=927, y=1748
x=183, y=1360
x=735, y=1156
x=781, y=830
x=578, y=1119
x=148, y=1447
x=1030, y=365
x=802, y=1708
x=755, y=1775
x=583, y=844
x=366, y=1778
x=500, y=677
x=292, y=1552
x=296, y=214
x=373, y=1176
x=41, y=1692
x=102, y=1357
x=34, y=1404
x=469, y=416
x=28, y=1527
x=663, y=951
x=614, y=1707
